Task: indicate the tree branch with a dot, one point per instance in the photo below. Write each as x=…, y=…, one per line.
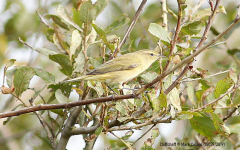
x=178, y=28
x=130, y=28
x=118, y=97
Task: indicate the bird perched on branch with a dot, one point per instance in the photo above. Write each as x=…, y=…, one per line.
x=122, y=68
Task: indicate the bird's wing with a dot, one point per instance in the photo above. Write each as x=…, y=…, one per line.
x=116, y=65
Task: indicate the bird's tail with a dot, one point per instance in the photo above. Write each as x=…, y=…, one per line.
x=74, y=79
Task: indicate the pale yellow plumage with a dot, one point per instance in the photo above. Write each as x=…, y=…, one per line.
x=122, y=68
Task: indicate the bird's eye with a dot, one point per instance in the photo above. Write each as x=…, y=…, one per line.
x=151, y=54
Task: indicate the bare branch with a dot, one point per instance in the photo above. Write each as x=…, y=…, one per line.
x=25, y=43
x=209, y=24
x=63, y=106
x=218, y=73
x=129, y=30
x=164, y=14
x=205, y=106
x=178, y=29
x=144, y=133
x=42, y=19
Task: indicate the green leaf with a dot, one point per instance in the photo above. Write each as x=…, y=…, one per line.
x=121, y=119
x=9, y=64
x=87, y=13
x=233, y=52
x=188, y=115
x=9, y=75
x=98, y=131
x=103, y=36
x=163, y=100
x=222, y=86
x=63, y=14
x=22, y=78
x=60, y=97
x=236, y=101
x=155, y=133
x=154, y=101
x=51, y=98
x=204, y=84
x=127, y=135
x=146, y=147
x=184, y=116
x=121, y=108
x=64, y=62
x=44, y=75
x=65, y=88
x=159, y=32
x=99, y=6
x=192, y=113
x=191, y=93
x=148, y=77
x=49, y=35
x=199, y=94
x=79, y=62
x=192, y=28
x=57, y=20
x=37, y=93
x=97, y=87
x=234, y=128
x=202, y=14
x=115, y=146
x=219, y=125
x=45, y=51
x=117, y=24
x=204, y=125
x=174, y=98
x=76, y=16
x=205, y=13
x=96, y=61
x=233, y=74
x=75, y=42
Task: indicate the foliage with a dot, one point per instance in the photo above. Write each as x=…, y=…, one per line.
x=206, y=103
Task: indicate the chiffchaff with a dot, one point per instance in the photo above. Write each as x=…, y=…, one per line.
x=122, y=68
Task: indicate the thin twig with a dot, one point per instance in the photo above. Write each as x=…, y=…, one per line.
x=197, y=6
x=209, y=24
x=45, y=125
x=178, y=29
x=130, y=28
x=230, y=114
x=144, y=133
x=221, y=72
x=214, y=101
x=25, y=43
x=117, y=128
x=164, y=14
x=129, y=147
x=42, y=19
x=177, y=81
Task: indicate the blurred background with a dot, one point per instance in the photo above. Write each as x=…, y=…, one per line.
x=18, y=18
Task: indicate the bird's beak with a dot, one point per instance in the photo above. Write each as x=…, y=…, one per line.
x=161, y=55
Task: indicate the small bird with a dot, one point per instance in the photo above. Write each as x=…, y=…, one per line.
x=122, y=68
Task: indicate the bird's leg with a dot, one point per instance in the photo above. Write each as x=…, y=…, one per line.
x=120, y=86
x=133, y=89
x=112, y=90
